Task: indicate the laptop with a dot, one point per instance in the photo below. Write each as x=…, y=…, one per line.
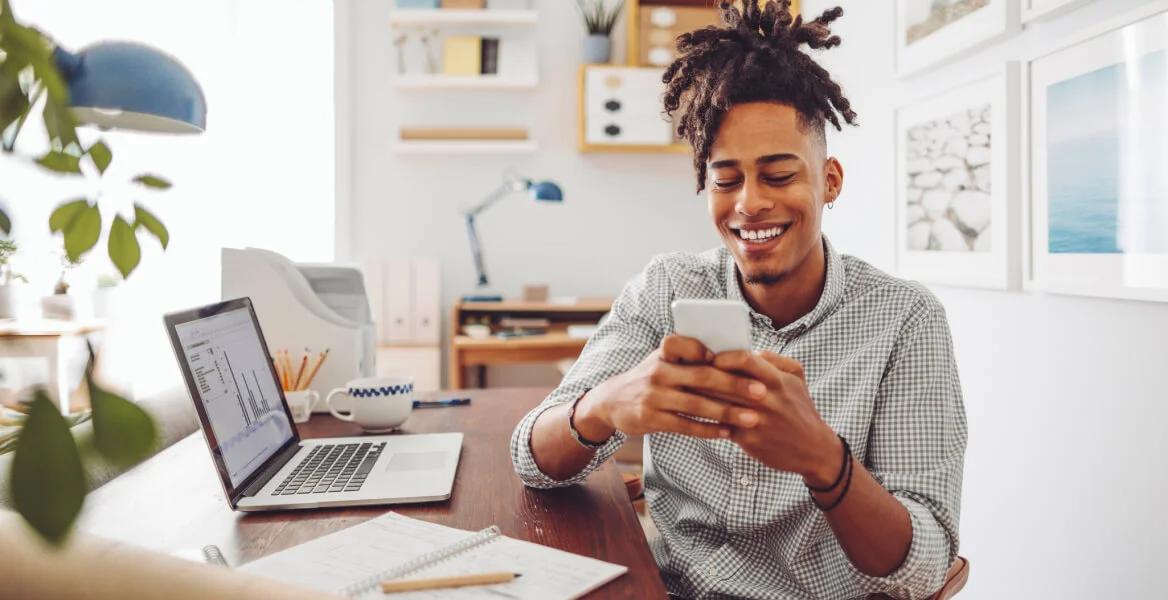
x=262, y=462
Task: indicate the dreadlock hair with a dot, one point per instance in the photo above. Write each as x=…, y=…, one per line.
x=753, y=57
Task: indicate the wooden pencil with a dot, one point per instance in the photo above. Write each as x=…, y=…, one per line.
x=409, y=585
x=300, y=372
x=312, y=374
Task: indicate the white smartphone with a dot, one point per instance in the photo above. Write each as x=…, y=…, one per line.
x=721, y=325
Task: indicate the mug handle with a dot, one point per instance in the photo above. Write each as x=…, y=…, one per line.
x=328, y=400
x=315, y=395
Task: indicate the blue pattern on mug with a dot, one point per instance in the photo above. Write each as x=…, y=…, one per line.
x=392, y=390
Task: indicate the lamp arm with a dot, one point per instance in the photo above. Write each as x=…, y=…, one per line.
x=475, y=248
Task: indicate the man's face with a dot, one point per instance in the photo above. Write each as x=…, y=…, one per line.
x=768, y=183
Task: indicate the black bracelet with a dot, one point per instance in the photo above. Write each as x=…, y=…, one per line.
x=847, y=485
x=843, y=468
x=580, y=439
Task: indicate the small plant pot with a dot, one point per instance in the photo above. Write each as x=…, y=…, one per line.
x=597, y=49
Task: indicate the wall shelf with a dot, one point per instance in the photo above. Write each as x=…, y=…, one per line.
x=465, y=146
x=662, y=149
x=463, y=17
x=493, y=82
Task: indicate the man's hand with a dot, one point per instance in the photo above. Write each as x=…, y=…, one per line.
x=676, y=379
x=789, y=434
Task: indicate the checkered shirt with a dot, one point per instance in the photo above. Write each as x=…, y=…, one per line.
x=879, y=362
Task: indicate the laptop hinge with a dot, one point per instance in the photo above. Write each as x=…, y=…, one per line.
x=280, y=460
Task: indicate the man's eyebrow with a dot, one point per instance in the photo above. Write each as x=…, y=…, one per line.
x=762, y=160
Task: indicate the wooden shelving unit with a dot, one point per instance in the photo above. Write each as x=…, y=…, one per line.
x=486, y=82
x=465, y=146
x=463, y=17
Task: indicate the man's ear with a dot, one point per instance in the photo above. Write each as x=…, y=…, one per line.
x=833, y=180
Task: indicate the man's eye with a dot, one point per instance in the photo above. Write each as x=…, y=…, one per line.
x=725, y=183
x=780, y=180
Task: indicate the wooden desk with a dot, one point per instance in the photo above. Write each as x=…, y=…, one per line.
x=174, y=500
x=466, y=351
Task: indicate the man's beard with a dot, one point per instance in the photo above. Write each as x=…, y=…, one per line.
x=764, y=278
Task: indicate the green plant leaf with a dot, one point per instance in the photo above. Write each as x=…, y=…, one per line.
x=64, y=214
x=152, y=181
x=60, y=162
x=5, y=222
x=143, y=218
x=59, y=122
x=101, y=156
x=123, y=247
x=82, y=232
x=47, y=479
x=13, y=101
x=123, y=433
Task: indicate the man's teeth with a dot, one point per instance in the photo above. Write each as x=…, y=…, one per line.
x=759, y=235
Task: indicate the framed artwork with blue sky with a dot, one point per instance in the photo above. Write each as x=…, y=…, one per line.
x=1098, y=150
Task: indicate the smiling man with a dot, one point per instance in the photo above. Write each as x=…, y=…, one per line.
x=826, y=463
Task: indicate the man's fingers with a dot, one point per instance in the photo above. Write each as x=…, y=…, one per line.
x=784, y=364
x=720, y=384
x=750, y=365
x=682, y=350
x=696, y=405
x=677, y=424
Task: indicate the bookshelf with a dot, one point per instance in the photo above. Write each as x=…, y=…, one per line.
x=441, y=16
x=503, y=39
x=465, y=146
x=417, y=81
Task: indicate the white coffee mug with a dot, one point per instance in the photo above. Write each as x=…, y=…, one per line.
x=379, y=404
x=302, y=403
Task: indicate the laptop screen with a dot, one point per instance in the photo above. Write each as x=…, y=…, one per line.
x=236, y=388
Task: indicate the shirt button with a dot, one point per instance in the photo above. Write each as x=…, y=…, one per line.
x=712, y=571
x=745, y=481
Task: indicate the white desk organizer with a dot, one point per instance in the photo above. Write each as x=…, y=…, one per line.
x=294, y=316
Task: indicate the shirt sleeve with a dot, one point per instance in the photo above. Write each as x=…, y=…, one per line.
x=630, y=332
x=916, y=450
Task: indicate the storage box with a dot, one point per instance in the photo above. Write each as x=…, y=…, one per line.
x=462, y=55
x=416, y=3
x=463, y=4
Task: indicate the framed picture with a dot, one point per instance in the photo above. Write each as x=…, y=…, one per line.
x=958, y=192
x=931, y=32
x=1038, y=10
x=1098, y=153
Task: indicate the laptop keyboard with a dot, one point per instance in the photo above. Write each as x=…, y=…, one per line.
x=332, y=468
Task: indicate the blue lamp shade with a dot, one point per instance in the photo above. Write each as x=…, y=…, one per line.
x=123, y=85
x=546, y=191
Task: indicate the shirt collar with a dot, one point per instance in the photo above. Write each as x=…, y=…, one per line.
x=833, y=290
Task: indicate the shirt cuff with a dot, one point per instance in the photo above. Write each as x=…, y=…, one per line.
x=923, y=571
x=524, y=460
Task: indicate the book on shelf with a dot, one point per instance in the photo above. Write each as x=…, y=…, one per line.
x=462, y=55
x=490, y=56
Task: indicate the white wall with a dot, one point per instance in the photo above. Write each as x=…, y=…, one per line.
x=1064, y=472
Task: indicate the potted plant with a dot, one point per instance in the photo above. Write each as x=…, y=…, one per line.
x=61, y=305
x=7, y=276
x=598, y=21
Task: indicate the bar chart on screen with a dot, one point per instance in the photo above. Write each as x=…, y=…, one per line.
x=237, y=389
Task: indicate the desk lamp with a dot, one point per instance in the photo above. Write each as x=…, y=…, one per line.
x=542, y=191
x=130, y=86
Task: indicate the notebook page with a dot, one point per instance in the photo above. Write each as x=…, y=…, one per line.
x=547, y=573
x=334, y=561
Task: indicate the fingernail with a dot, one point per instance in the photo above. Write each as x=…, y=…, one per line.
x=757, y=389
x=724, y=432
x=748, y=418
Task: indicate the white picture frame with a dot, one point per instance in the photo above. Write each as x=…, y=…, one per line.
x=982, y=27
x=991, y=255
x=1136, y=275
x=1034, y=11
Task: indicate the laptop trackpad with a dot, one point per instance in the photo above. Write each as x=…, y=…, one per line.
x=416, y=461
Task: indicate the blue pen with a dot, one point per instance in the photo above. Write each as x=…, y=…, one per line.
x=440, y=403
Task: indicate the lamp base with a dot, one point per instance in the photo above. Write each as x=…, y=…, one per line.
x=481, y=298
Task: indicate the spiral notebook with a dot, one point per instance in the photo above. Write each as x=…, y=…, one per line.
x=353, y=562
